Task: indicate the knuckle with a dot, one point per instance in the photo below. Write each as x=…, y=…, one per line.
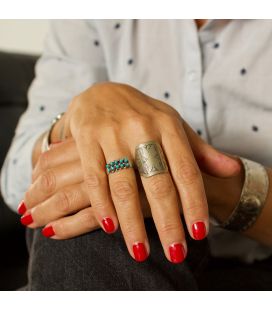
x=88, y=219
x=186, y=173
x=130, y=228
x=168, y=227
x=167, y=117
x=64, y=202
x=92, y=181
x=136, y=122
x=48, y=182
x=196, y=209
x=98, y=206
x=160, y=187
x=41, y=165
x=122, y=190
x=60, y=229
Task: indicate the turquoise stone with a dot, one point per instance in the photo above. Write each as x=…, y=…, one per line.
x=127, y=165
x=126, y=160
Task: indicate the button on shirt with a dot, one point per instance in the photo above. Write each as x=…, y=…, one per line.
x=218, y=78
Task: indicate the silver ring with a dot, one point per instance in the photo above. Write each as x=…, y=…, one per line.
x=149, y=159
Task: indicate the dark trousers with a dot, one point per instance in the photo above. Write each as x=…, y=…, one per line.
x=97, y=261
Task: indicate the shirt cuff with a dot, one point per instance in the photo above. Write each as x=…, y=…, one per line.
x=16, y=174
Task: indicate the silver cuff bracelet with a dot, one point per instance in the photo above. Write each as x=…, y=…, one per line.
x=253, y=197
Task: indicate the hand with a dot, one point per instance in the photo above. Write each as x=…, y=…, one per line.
x=102, y=133
x=62, y=203
x=58, y=196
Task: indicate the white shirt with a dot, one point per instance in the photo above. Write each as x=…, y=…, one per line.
x=218, y=78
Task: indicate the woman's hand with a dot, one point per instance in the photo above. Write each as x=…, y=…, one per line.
x=58, y=196
x=59, y=199
x=107, y=122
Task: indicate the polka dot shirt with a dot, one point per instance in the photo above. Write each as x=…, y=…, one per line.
x=218, y=78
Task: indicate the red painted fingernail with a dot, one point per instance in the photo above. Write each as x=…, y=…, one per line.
x=177, y=253
x=140, y=253
x=27, y=219
x=21, y=208
x=108, y=225
x=199, y=230
x=48, y=231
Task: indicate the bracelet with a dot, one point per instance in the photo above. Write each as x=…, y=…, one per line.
x=252, y=199
x=46, y=137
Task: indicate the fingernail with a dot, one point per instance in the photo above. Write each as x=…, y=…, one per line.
x=199, y=230
x=27, y=219
x=177, y=253
x=48, y=231
x=140, y=253
x=108, y=225
x=21, y=208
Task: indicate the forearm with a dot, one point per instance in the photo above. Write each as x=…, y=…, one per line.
x=223, y=197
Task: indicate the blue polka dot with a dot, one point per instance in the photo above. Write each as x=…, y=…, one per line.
x=243, y=71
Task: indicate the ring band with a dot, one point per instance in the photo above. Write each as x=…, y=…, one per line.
x=118, y=164
x=150, y=159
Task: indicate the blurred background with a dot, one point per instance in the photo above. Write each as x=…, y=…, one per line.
x=21, y=42
x=22, y=36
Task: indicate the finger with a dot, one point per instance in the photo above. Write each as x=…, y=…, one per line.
x=72, y=226
x=188, y=180
x=52, y=180
x=60, y=154
x=93, y=163
x=163, y=200
x=125, y=196
x=68, y=200
x=209, y=159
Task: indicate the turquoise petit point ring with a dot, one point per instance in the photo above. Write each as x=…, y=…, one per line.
x=118, y=165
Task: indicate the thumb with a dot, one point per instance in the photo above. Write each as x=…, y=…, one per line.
x=210, y=160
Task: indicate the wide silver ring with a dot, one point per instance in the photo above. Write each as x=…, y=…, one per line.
x=150, y=159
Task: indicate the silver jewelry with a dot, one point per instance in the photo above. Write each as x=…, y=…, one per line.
x=46, y=137
x=253, y=197
x=149, y=159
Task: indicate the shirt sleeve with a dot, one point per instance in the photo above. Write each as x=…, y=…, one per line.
x=72, y=61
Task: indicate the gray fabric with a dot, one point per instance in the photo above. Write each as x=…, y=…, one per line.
x=97, y=261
